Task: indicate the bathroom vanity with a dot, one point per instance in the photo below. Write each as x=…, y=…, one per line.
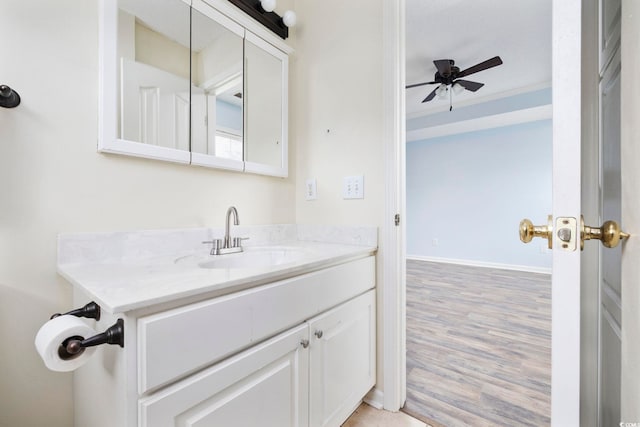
x=282, y=334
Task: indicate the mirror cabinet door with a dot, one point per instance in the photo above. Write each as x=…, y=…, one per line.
x=152, y=60
x=216, y=89
x=182, y=82
x=266, y=78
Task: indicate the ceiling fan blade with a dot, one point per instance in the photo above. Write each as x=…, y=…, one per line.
x=430, y=96
x=419, y=84
x=443, y=66
x=468, y=85
x=489, y=63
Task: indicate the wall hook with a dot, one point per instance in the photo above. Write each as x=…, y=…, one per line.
x=9, y=98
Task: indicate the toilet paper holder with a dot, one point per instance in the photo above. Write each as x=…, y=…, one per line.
x=90, y=311
x=74, y=346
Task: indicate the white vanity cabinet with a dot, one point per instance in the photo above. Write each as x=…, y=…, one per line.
x=296, y=352
x=299, y=378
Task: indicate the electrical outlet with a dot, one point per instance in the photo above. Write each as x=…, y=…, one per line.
x=310, y=192
x=353, y=187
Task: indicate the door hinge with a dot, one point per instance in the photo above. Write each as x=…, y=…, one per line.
x=397, y=219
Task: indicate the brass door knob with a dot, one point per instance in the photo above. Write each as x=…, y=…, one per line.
x=609, y=234
x=528, y=231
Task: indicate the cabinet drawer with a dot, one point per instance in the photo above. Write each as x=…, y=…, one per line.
x=177, y=342
x=265, y=386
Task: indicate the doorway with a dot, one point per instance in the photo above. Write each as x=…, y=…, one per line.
x=478, y=300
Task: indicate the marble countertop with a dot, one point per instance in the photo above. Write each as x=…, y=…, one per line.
x=129, y=271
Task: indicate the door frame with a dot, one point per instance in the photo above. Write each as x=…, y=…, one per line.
x=565, y=383
x=392, y=299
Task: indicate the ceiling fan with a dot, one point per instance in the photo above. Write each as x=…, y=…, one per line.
x=450, y=75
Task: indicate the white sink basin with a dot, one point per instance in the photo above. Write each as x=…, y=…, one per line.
x=251, y=257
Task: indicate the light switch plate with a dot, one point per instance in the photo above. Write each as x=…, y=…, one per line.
x=310, y=189
x=353, y=187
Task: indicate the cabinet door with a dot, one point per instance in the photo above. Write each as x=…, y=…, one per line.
x=266, y=385
x=342, y=360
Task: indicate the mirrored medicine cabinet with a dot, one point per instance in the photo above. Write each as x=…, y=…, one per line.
x=182, y=81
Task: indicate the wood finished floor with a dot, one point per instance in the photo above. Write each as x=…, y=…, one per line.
x=478, y=346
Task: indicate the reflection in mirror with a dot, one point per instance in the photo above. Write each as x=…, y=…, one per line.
x=265, y=72
x=216, y=91
x=153, y=55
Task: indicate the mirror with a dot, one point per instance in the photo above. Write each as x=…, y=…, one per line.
x=189, y=84
x=266, y=76
x=153, y=53
x=217, y=89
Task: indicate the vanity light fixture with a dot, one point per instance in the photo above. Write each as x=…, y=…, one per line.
x=289, y=18
x=268, y=5
x=263, y=12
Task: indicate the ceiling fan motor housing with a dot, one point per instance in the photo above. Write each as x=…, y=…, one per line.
x=447, y=78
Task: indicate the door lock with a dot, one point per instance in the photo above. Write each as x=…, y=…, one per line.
x=567, y=233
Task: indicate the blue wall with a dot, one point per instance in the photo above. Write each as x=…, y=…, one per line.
x=229, y=115
x=470, y=191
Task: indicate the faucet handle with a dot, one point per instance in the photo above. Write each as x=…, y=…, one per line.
x=237, y=241
x=217, y=244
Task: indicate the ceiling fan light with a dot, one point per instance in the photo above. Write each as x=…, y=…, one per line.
x=441, y=91
x=457, y=88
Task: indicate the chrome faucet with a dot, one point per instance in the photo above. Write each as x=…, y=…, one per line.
x=228, y=245
x=236, y=221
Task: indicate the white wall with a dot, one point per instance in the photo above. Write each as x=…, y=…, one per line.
x=52, y=180
x=338, y=108
x=337, y=111
x=467, y=193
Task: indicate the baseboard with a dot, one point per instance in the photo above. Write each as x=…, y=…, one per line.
x=375, y=398
x=525, y=268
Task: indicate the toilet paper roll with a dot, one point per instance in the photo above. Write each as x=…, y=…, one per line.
x=49, y=343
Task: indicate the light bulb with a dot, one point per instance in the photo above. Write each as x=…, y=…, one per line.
x=289, y=18
x=268, y=5
x=457, y=88
x=441, y=91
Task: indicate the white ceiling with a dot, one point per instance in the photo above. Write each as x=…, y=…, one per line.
x=469, y=32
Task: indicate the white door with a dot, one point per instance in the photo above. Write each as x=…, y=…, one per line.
x=589, y=316
x=155, y=106
x=609, y=286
